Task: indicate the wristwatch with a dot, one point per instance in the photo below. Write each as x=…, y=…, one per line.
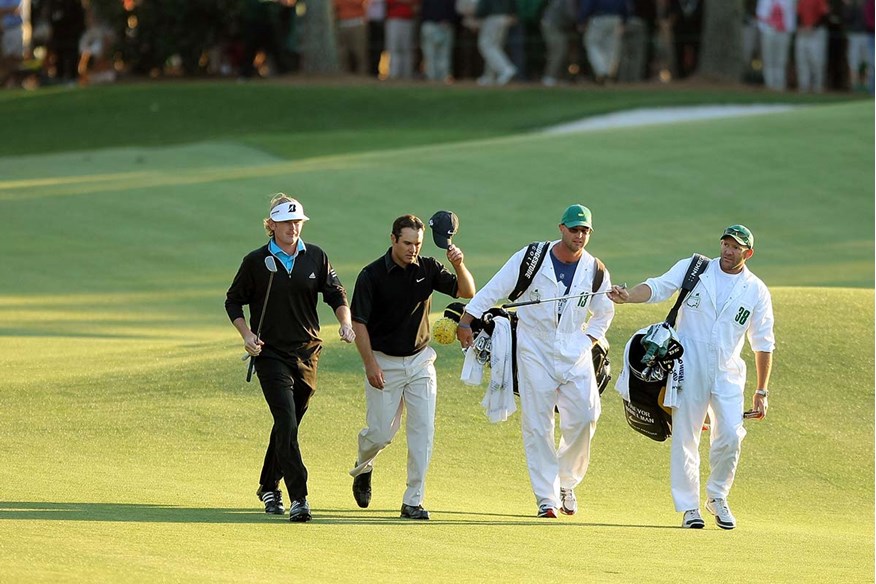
x=763, y=392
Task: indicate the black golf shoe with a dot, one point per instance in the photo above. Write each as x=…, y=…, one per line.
x=273, y=501
x=414, y=512
x=299, y=512
x=362, y=489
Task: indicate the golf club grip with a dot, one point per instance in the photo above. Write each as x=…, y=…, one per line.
x=249, y=369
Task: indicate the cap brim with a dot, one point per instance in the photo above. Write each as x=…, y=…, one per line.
x=736, y=238
x=578, y=224
x=288, y=217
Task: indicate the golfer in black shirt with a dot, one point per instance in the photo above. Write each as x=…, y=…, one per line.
x=390, y=308
x=287, y=352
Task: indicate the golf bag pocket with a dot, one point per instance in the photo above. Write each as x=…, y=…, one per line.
x=644, y=413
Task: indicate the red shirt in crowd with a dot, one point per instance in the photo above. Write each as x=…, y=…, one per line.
x=811, y=12
x=402, y=9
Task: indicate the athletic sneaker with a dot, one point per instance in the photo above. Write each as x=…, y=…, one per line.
x=723, y=517
x=414, y=512
x=547, y=511
x=273, y=501
x=362, y=489
x=692, y=519
x=299, y=512
x=569, y=502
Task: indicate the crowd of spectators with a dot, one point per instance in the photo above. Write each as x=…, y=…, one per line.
x=558, y=42
x=807, y=45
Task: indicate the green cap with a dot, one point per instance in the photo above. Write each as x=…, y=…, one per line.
x=741, y=234
x=577, y=216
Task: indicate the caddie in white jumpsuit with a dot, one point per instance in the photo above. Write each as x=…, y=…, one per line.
x=727, y=304
x=555, y=365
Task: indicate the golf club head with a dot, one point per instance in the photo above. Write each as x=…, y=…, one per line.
x=270, y=263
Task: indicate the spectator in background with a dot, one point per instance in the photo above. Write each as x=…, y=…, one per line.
x=811, y=45
x=750, y=38
x=95, y=49
x=376, y=12
x=602, y=22
x=557, y=21
x=468, y=63
x=400, y=33
x=664, y=51
x=635, y=43
x=837, y=75
x=868, y=23
x=12, y=41
x=260, y=22
x=686, y=17
x=496, y=17
x=858, y=52
x=66, y=19
x=777, y=19
x=352, y=35
x=525, y=44
x=437, y=34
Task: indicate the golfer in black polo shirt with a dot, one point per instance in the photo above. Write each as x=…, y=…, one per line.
x=390, y=309
x=287, y=353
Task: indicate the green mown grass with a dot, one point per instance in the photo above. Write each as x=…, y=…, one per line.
x=295, y=120
x=131, y=444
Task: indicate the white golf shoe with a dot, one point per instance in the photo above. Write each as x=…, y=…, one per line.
x=569, y=505
x=723, y=517
x=692, y=519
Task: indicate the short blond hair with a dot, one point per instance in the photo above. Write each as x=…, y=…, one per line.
x=276, y=200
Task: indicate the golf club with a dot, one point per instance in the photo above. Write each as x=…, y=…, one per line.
x=540, y=300
x=272, y=267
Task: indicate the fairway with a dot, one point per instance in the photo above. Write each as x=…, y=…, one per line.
x=131, y=444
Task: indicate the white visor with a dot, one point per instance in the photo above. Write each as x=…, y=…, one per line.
x=288, y=211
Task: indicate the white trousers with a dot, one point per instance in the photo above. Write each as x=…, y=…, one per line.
x=774, y=50
x=436, y=41
x=810, y=55
x=400, y=45
x=410, y=383
x=602, y=40
x=859, y=53
x=724, y=404
x=556, y=42
x=491, y=43
x=551, y=467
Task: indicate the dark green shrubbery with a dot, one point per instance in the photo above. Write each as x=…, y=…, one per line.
x=153, y=31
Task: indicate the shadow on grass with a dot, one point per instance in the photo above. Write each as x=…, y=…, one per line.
x=21, y=332
x=147, y=513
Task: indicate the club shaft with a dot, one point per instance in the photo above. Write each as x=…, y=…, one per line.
x=259, y=329
x=264, y=307
x=540, y=300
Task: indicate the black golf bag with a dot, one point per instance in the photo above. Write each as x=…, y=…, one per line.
x=644, y=411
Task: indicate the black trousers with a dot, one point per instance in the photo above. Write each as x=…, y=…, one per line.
x=287, y=383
